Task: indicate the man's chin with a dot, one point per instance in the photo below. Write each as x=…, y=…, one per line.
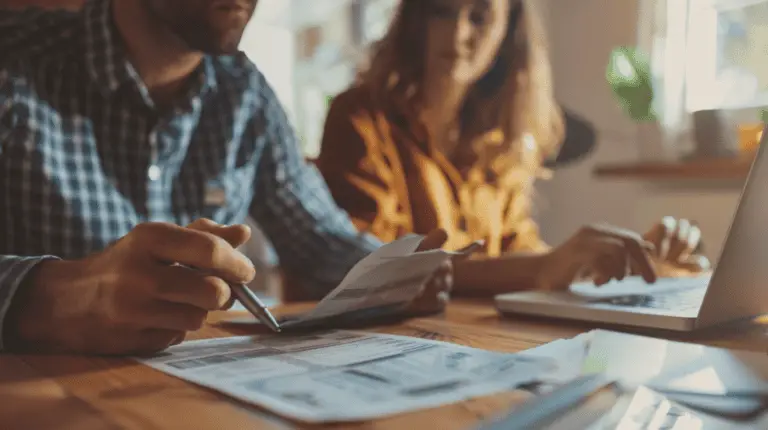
x=211, y=43
x=217, y=50
x=222, y=51
x=224, y=47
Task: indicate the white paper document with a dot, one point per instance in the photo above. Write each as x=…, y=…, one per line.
x=346, y=375
x=389, y=278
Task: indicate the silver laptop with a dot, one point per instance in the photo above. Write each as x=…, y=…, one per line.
x=737, y=289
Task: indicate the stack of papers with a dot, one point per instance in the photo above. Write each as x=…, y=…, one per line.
x=640, y=360
x=345, y=375
x=661, y=384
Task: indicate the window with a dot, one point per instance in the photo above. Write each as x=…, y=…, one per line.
x=309, y=50
x=727, y=54
x=706, y=54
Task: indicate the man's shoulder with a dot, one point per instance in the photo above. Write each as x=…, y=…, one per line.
x=35, y=36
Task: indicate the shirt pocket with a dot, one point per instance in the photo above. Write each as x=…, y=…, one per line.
x=228, y=196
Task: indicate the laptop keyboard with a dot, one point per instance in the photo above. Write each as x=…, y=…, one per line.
x=679, y=300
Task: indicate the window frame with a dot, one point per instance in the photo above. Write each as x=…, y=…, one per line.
x=689, y=53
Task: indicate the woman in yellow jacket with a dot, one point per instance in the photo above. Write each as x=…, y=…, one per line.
x=449, y=126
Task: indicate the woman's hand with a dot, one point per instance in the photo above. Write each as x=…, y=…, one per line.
x=602, y=252
x=437, y=291
x=677, y=246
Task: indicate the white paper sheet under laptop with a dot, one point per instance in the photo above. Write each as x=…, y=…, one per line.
x=389, y=278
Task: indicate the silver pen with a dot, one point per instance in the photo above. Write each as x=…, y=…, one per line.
x=255, y=306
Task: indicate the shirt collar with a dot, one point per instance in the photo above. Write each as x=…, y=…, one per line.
x=207, y=75
x=106, y=60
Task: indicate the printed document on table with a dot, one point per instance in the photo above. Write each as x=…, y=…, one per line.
x=345, y=375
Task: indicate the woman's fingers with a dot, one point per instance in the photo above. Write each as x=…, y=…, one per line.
x=637, y=251
x=434, y=240
x=437, y=291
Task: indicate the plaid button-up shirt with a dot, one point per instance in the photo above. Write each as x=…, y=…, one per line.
x=85, y=154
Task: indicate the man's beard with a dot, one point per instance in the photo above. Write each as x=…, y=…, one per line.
x=196, y=33
x=211, y=42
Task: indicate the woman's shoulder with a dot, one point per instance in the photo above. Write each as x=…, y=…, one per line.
x=359, y=127
x=357, y=99
x=351, y=115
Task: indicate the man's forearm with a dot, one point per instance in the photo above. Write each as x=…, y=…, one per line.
x=13, y=270
x=486, y=277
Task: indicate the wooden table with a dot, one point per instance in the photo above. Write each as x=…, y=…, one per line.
x=75, y=392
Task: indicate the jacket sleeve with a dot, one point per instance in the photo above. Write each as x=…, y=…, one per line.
x=362, y=169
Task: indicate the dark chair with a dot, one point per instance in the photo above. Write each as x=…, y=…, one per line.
x=580, y=140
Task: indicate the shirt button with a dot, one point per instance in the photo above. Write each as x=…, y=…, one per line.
x=153, y=173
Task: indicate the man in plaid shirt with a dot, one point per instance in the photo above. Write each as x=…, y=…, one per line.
x=118, y=125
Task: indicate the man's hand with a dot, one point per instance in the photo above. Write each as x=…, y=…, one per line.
x=236, y=235
x=130, y=298
x=437, y=291
x=604, y=252
x=677, y=244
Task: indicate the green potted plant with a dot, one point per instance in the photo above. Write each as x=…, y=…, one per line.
x=629, y=76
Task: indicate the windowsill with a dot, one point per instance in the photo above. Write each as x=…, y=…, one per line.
x=735, y=168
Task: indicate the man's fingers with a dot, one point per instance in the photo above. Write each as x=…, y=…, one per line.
x=179, y=338
x=153, y=340
x=201, y=250
x=170, y=316
x=184, y=286
x=228, y=305
x=434, y=240
x=236, y=235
